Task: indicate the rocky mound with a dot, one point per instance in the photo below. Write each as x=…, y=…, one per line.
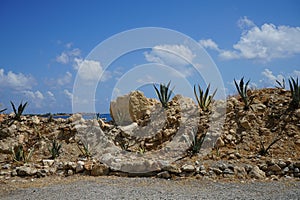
x=145, y=139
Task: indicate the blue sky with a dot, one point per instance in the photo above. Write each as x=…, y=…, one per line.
x=43, y=43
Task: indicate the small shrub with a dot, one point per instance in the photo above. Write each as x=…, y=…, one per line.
x=164, y=94
x=204, y=100
x=20, y=155
x=197, y=143
x=55, y=149
x=85, y=150
x=242, y=89
x=281, y=85
x=295, y=92
x=265, y=151
x=19, y=112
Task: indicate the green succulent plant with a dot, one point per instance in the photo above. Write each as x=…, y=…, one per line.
x=55, y=149
x=242, y=89
x=197, y=142
x=281, y=84
x=21, y=155
x=295, y=92
x=19, y=112
x=164, y=93
x=204, y=99
x=85, y=149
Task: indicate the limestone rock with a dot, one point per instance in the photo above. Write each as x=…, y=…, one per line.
x=164, y=174
x=75, y=118
x=48, y=162
x=245, y=124
x=100, y=170
x=139, y=106
x=26, y=171
x=35, y=120
x=188, y=168
x=79, y=167
x=131, y=108
x=257, y=173
x=274, y=168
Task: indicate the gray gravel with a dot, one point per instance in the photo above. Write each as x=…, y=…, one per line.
x=150, y=188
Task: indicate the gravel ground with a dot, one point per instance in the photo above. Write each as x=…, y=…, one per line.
x=153, y=188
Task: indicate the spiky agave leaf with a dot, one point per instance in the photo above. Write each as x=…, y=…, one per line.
x=295, y=92
x=164, y=93
x=204, y=99
x=242, y=89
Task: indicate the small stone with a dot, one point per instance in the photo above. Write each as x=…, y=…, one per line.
x=6, y=166
x=281, y=164
x=164, y=174
x=286, y=170
x=274, y=168
x=222, y=166
x=100, y=170
x=35, y=120
x=79, y=167
x=245, y=124
x=69, y=172
x=232, y=131
x=297, y=112
x=257, y=173
x=220, y=142
x=231, y=156
x=228, y=171
x=172, y=168
x=238, y=155
x=14, y=173
x=25, y=171
x=240, y=172
x=47, y=162
x=188, y=168
x=217, y=171
x=296, y=170
x=297, y=164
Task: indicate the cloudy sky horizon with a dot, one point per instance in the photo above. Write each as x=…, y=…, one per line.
x=43, y=45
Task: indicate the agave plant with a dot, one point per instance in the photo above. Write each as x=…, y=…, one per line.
x=21, y=155
x=281, y=85
x=295, y=92
x=242, y=89
x=204, y=100
x=197, y=143
x=164, y=93
x=85, y=150
x=19, y=112
x=55, y=149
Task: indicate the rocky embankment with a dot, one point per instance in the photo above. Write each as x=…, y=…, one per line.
x=146, y=140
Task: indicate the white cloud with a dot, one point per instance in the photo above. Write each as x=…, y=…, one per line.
x=209, y=44
x=263, y=43
x=68, y=55
x=170, y=54
x=51, y=96
x=37, y=95
x=175, y=56
x=296, y=73
x=244, y=23
x=90, y=70
x=63, y=58
x=65, y=80
x=270, y=77
x=68, y=94
x=15, y=81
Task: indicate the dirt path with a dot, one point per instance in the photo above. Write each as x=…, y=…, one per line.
x=146, y=188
